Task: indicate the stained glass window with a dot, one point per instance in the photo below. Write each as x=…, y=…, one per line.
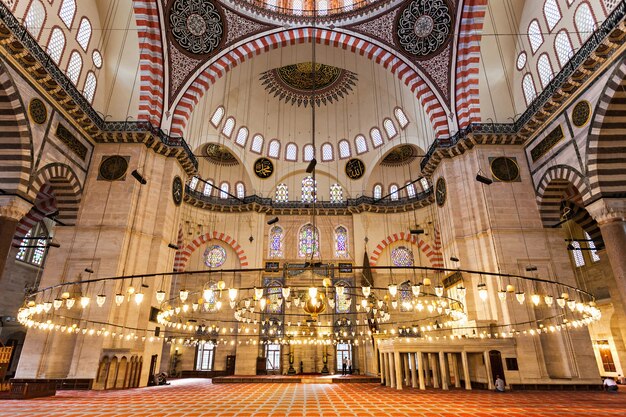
x=405, y=297
x=308, y=245
x=241, y=190
x=34, y=255
x=282, y=193
x=224, y=190
x=341, y=242
x=210, y=297
x=214, y=256
x=402, y=256
x=343, y=302
x=276, y=242
x=309, y=190
x=393, y=190
x=336, y=193
x=275, y=304
x=378, y=191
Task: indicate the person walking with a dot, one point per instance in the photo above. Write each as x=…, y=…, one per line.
x=344, y=366
x=349, y=366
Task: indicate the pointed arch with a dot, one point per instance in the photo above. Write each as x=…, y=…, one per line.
x=180, y=263
x=433, y=255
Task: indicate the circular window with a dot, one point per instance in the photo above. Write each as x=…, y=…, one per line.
x=97, y=59
x=521, y=60
x=505, y=169
x=214, y=256
x=402, y=256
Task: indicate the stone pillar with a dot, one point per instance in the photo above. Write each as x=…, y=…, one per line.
x=452, y=358
x=433, y=365
x=381, y=365
x=12, y=209
x=398, y=363
x=427, y=368
x=413, y=359
x=490, y=384
x=445, y=375
x=387, y=370
x=407, y=372
x=420, y=367
x=466, y=373
x=393, y=367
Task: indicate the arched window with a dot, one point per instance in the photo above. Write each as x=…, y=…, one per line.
x=552, y=13
x=274, y=149
x=584, y=21
x=424, y=183
x=521, y=60
x=208, y=188
x=309, y=190
x=360, y=144
x=257, y=143
x=529, y=89
x=193, y=183
x=544, y=68
x=327, y=152
x=242, y=136
x=592, y=248
x=535, y=37
x=74, y=66
x=217, y=116
x=390, y=128
x=410, y=190
x=341, y=242
x=309, y=153
x=403, y=121
x=276, y=242
x=37, y=239
x=96, y=56
x=90, y=86
x=376, y=137
x=67, y=11
x=322, y=7
x=84, y=33
x=393, y=190
x=241, y=190
x=344, y=149
x=577, y=254
x=336, y=193
x=56, y=45
x=378, y=191
x=308, y=243
x=291, y=152
x=224, y=189
x=402, y=256
x=282, y=193
x=563, y=47
x=35, y=17
x=405, y=297
x=229, y=126
x=343, y=301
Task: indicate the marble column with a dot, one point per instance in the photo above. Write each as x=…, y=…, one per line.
x=413, y=359
x=433, y=365
x=452, y=358
x=398, y=363
x=407, y=371
x=12, y=209
x=426, y=367
x=445, y=375
x=387, y=370
x=420, y=369
x=392, y=368
x=466, y=373
x=381, y=366
x=490, y=383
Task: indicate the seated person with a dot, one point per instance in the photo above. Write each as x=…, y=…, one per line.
x=609, y=384
x=499, y=383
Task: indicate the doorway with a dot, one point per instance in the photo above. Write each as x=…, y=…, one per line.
x=495, y=357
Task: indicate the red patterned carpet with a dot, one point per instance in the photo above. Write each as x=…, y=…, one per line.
x=194, y=398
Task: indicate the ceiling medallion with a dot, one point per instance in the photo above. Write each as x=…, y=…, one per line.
x=263, y=168
x=400, y=155
x=424, y=26
x=295, y=83
x=38, y=111
x=113, y=168
x=581, y=113
x=505, y=169
x=219, y=154
x=196, y=25
x=355, y=169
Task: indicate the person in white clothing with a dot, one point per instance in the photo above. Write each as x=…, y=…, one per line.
x=609, y=385
x=499, y=384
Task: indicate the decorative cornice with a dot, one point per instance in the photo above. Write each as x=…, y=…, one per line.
x=268, y=205
x=608, y=210
x=13, y=207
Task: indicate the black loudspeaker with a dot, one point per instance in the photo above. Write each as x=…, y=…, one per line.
x=157, y=331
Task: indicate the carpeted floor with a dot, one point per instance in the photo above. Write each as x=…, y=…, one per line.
x=195, y=397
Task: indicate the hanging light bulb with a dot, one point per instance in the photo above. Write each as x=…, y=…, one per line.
x=502, y=295
x=218, y=305
x=221, y=285
x=364, y=303
x=184, y=294
x=415, y=288
x=296, y=302
x=536, y=299
x=101, y=299
x=426, y=282
x=331, y=302
x=439, y=290
x=232, y=294
x=69, y=303
x=510, y=288
x=247, y=303
x=286, y=292
x=561, y=302
x=232, y=303
x=394, y=304
x=258, y=293
x=131, y=290
x=393, y=289
x=367, y=290
x=119, y=299
x=47, y=306
x=482, y=291
x=57, y=303
x=263, y=303
x=185, y=308
x=138, y=297
x=160, y=296
x=521, y=297
x=312, y=292
x=194, y=306
x=548, y=299
x=571, y=304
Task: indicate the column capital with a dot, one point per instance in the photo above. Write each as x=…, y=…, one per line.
x=607, y=210
x=14, y=208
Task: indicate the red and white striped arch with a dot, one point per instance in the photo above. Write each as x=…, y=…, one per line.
x=45, y=204
x=468, y=62
x=182, y=257
x=389, y=60
x=150, y=61
x=432, y=253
